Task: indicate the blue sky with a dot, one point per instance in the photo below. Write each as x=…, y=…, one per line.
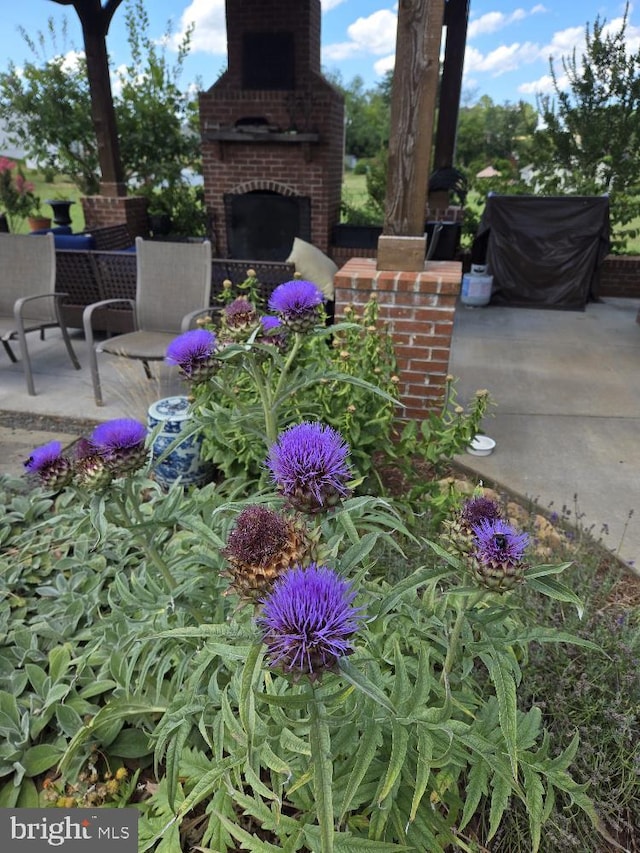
x=508, y=45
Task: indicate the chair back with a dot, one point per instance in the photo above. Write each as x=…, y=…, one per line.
x=27, y=268
x=173, y=279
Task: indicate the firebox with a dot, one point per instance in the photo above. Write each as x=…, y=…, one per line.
x=272, y=132
x=263, y=225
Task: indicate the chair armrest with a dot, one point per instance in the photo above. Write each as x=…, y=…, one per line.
x=24, y=299
x=87, y=314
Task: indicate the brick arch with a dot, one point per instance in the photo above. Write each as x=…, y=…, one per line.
x=268, y=186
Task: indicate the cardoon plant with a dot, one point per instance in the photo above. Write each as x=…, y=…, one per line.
x=121, y=443
x=194, y=353
x=308, y=621
x=308, y=463
x=48, y=463
x=498, y=555
x=262, y=546
x=297, y=303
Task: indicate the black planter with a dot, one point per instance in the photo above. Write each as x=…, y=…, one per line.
x=160, y=224
x=60, y=207
x=356, y=236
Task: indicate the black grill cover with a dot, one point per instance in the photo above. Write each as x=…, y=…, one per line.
x=544, y=252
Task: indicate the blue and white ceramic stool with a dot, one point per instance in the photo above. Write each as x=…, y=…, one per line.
x=184, y=462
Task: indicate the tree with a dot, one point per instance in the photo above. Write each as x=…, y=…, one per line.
x=591, y=140
x=46, y=108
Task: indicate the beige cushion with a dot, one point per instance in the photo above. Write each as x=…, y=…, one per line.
x=313, y=265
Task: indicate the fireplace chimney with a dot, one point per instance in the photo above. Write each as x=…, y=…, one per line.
x=272, y=132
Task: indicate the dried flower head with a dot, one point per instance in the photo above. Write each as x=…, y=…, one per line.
x=479, y=509
x=261, y=547
x=308, y=463
x=297, y=303
x=50, y=465
x=121, y=443
x=194, y=353
x=308, y=621
x=497, y=558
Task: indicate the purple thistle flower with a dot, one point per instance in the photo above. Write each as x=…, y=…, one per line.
x=270, y=324
x=476, y=510
x=240, y=314
x=193, y=352
x=121, y=443
x=308, y=463
x=48, y=463
x=498, y=554
x=308, y=620
x=297, y=304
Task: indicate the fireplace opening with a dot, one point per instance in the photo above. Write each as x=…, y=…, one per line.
x=262, y=224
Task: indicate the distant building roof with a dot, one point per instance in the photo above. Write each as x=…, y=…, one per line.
x=489, y=172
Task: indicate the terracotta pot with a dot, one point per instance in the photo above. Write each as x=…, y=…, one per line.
x=38, y=223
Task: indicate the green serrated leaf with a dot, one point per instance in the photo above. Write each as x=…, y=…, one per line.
x=423, y=768
x=399, y=744
x=367, y=747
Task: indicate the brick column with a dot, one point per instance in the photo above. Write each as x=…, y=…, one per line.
x=419, y=309
x=113, y=210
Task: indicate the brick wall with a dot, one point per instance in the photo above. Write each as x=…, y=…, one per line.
x=620, y=276
x=102, y=210
x=419, y=308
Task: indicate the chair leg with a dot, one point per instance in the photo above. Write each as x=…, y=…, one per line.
x=93, y=357
x=147, y=369
x=26, y=361
x=70, y=350
x=9, y=351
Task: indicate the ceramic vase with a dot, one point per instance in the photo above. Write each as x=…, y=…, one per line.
x=168, y=418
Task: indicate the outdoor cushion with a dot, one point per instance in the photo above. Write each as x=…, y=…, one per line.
x=74, y=241
x=313, y=265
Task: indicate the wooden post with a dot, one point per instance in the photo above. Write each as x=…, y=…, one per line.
x=413, y=101
x=95, y=19
x=456, y=18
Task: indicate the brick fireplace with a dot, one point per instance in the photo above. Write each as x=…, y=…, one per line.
x=272, y=132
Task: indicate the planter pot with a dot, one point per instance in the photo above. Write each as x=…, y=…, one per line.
x=160, y=224
x=60, y=207
x=39, y=223
x=356, y=236
x=184, y=463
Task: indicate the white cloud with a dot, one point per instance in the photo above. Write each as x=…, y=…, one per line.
x=375, y=34
x=330, y=4
x=494, y=21
x=210, y=33
x=385, y=64
x=504, y=58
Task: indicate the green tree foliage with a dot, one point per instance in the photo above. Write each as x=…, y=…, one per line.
x=46, y=108
x=367, y=115
x=494, y=134
x=591, y=140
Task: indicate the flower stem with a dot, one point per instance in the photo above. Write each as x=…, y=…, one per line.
x=454, y=638
x=320, y=742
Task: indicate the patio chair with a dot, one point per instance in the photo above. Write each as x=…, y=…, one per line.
x=173, y=286
x=28, y=301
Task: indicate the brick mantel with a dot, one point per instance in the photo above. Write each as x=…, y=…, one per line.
x=419, y=309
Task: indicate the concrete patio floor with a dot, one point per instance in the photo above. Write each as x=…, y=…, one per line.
x=566, y=421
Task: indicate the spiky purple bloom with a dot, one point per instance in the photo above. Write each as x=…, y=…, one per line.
x=498, y=553
x=308, y=620
x=193, y=352
x=272, y=331
x=297, y=303
x=121, y=443
x=50, y=465
x=308, y=463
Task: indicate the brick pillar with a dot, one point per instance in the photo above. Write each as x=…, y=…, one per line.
x=102, y=210
x=419, y=308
